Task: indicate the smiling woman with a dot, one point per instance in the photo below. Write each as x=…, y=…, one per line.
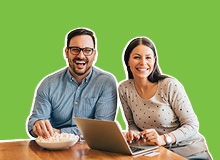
x=141, y=61
x=156, y=106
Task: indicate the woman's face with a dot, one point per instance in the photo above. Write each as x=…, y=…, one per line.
x=141, y=61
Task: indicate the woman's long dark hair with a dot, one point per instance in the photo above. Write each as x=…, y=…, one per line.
x=156, y=74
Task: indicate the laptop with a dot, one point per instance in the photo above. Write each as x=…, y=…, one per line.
x=107, y=136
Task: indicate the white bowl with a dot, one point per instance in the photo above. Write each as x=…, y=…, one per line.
x=57, y=145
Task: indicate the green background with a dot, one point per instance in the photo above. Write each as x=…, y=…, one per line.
x=186, y=35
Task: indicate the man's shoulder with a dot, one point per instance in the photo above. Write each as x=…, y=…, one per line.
x=99, y=73
x=58, y=73
x=55, y=76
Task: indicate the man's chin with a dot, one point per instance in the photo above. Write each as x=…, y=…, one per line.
x=81, y=72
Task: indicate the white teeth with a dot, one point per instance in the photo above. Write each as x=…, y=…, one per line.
x=142, y=69
x=80, y=62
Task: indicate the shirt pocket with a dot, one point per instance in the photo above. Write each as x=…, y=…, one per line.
x=88, y=107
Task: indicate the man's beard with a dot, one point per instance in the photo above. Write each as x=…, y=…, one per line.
x=79, y=73
x=72, y=66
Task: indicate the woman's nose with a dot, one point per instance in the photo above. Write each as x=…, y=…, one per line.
x=143, y=61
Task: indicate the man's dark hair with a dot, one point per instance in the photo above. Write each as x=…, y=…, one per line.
x=80, y=31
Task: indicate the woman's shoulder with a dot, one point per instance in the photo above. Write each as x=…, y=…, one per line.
x=126, y=84
x=171, y=82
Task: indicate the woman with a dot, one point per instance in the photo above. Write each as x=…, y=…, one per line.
x=156, y=106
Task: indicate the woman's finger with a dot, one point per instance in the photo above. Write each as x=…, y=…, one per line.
x=131, y=137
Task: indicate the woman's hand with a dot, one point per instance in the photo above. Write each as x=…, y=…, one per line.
x=132, y=136
x=153, y=138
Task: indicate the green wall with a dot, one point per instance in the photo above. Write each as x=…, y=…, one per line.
x=32, y=39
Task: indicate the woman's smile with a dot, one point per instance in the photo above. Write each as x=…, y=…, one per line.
x=141, y=61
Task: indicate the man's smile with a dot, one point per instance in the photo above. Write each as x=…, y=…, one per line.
x=80, y=63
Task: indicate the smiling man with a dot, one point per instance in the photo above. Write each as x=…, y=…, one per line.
x=78, y=90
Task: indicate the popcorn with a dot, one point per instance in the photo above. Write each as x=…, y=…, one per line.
x=63, y=137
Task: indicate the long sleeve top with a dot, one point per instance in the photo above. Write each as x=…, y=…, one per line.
x=59, y=98
x=169, y=110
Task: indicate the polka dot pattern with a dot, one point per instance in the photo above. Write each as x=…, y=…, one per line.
x=166, y=111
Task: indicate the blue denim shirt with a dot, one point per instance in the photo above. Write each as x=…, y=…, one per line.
x=59, y=98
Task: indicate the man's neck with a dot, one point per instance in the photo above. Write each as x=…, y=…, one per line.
x=79, y=78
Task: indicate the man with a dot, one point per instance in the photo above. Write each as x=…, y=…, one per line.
x=79, y=90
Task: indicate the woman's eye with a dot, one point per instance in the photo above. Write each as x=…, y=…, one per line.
x=148, y=57
x=136, y=57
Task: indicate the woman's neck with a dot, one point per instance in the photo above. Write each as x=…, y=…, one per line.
x=145, y=88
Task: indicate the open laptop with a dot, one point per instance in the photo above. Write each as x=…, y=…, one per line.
x=107, y=136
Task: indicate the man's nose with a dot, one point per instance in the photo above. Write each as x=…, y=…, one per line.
x=80, y=55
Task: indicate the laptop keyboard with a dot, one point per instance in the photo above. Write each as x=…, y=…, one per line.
x=135, y=149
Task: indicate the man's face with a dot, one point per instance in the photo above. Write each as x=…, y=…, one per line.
x=80, y=64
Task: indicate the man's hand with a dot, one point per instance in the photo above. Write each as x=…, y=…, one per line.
x=43, y=128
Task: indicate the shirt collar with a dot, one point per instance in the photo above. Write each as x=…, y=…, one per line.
x=86, y=79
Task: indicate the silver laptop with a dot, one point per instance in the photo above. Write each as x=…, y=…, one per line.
x=107, y=136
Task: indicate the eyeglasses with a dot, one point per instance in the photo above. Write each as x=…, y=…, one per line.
x=77, y=50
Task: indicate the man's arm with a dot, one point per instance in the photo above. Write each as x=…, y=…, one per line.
x=71, y=130
x=106, y=105
x=41, y=108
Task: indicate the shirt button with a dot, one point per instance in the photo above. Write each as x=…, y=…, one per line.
x=76, y=102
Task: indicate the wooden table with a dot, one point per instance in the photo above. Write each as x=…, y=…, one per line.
x=30, y=150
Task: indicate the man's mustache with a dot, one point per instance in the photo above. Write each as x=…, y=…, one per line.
x=79, y=59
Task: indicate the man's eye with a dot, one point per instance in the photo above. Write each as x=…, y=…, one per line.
x=87, y=50
x=75, y=50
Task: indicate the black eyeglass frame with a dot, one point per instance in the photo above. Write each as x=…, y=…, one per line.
x=81, y=49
